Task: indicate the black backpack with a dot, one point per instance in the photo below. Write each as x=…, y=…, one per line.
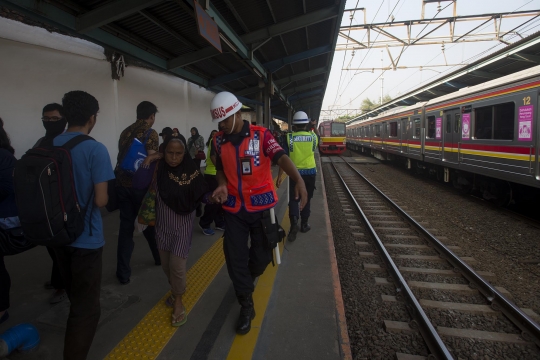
x=46, y=197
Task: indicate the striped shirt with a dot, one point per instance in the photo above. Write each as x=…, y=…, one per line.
x=173, y=231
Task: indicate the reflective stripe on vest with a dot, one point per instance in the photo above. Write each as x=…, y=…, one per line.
x=254, y=192
x=210, y=166
x=302, y=145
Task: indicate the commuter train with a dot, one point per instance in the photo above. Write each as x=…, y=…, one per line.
x=332, y=137
x=483, y=137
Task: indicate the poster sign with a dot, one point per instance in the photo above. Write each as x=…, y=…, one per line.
x=438, y=128
x=525, y=129
x=466, y=126
x=207, y=27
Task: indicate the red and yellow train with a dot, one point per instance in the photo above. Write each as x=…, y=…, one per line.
x=332, y=137
x=483, y=137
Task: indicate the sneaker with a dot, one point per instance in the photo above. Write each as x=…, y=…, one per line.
x=293, y=231
x=220, y=227
x=304, y=228
x=58, y=296
x=207, y=231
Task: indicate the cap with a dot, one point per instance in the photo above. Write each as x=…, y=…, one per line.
x=166, y=131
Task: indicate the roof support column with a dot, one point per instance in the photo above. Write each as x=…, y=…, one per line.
x=289, y=119
x=268, y=91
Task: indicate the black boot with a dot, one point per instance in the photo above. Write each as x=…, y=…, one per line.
x=247, y=313
x=304, y=227
x=294, y=229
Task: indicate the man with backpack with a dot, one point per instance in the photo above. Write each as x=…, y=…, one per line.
x=130, y=199
x=80, y=262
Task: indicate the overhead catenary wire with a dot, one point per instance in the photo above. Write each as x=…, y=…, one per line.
x=382, y=73
x=369, y=49
x=454, y=45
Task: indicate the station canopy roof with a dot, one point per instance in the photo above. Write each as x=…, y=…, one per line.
x=289, y=41
x=518, y=56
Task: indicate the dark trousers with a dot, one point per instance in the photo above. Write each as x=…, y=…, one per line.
x=56, y=278
x=213, y=213
x=294, y=208
x=5, y=285
x=244, y=263
x=129, y=202
x=81, y=271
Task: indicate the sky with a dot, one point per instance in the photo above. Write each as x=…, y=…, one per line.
x=347, y=88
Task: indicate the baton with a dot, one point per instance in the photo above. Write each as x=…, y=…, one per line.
x=276, y=249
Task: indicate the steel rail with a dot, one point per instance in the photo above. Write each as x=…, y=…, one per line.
x=530, y=329
x=431, y=337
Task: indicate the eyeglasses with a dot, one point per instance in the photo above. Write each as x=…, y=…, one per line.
x=52, y=118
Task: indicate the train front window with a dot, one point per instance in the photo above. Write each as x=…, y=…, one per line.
x=338, y=129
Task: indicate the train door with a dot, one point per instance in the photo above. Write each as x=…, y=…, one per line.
x=403, y=135
x=450, y=137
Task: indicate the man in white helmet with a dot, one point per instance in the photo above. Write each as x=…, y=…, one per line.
x=300, y=146
x=244, y=154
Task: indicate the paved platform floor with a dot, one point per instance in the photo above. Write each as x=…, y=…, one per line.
x=298, y=303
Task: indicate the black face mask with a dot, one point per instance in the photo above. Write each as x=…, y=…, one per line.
x=54, y=128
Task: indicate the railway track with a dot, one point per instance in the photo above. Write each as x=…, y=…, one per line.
x=410, y=252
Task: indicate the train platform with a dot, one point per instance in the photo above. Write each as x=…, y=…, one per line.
x=298, y=303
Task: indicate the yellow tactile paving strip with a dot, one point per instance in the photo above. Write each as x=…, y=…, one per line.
x=243, y=345
x=153, y=332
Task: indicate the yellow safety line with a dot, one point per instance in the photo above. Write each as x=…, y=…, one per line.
x=153, y=332
x=243, y=345
x=150, y=336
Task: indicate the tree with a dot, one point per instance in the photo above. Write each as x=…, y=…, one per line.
x=343, y=118
x=368, y=105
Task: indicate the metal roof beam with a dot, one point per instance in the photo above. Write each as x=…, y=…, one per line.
x=526, y=57
x=305, y=94
x=272, y=66
x=301, y=76
x=485, y=74
x=291, y=25
x=301, y=88
x=260, y=35
x=65, y=21
x=286, y=80
x=111, y=12
x=278, y=64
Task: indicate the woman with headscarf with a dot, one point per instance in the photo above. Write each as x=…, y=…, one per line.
x=179, y=187
x=213, y=213
x=195, y=144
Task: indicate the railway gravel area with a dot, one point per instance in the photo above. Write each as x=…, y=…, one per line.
x=500, y=243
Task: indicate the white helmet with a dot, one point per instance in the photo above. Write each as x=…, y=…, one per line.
x=223, y=105
x=300, y=117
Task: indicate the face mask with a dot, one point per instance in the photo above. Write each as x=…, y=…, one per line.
x=54, y=128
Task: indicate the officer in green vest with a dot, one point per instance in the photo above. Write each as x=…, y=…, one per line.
x=301, y=145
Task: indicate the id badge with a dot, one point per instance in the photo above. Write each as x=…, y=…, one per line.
x=246, y=165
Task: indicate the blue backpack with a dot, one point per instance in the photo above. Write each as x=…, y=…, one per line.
x=135, y=154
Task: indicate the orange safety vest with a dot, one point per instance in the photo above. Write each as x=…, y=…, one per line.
x=248, y=173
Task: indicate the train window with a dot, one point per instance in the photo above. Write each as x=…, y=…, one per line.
x=393, y=129
x=385, y=129
x=378, y=130
x=494, y=122
x=430, y=127
x=338, y=129
x=448, y=123
x=457, y=123
x=416, y=128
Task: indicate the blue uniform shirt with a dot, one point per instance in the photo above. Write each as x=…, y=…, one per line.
x=91, y=165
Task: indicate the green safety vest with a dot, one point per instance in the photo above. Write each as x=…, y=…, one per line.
x=210, y=166
x=302, y=146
